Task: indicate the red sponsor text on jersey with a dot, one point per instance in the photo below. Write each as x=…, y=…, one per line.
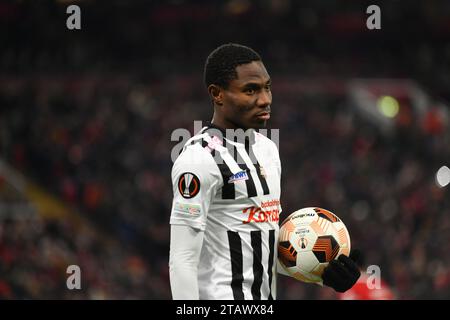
x=271, y=203
x=256, y=214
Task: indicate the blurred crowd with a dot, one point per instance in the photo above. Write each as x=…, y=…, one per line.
x=36, y=251
x=89, y=117
x=157, y=38
x=35, y=254
x=383, y=187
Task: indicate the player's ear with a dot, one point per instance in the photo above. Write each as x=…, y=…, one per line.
x=216, y=94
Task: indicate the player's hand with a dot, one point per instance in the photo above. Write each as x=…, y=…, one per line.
x=342, y=274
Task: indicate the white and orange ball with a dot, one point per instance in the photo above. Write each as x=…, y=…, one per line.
x=309, y=239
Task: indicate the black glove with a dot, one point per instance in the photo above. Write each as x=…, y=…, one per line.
x=342, y=274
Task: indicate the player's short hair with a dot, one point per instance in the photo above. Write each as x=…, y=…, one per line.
x=220, y=66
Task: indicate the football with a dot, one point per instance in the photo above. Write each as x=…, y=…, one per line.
x=309, y=239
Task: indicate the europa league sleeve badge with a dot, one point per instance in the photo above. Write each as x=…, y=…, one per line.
x=188, y=185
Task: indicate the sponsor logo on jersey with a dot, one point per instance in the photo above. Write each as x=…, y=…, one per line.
x=188, y=185
x=271, y=203
x=256, y=214
x=242, y=175
x=191, y=209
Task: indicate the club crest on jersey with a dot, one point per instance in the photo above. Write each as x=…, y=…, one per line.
x=188, y=185
x=262, y=172
x=242, y=175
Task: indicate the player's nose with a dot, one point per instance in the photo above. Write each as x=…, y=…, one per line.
x=264, y=99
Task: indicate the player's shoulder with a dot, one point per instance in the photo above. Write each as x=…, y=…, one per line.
x=196, y=151
x=196, y=158
x=263, y=139
x=268, y=145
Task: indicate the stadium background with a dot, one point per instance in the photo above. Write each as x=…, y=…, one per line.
x=86, y=118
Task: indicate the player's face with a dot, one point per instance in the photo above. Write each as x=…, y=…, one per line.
x=246, y=101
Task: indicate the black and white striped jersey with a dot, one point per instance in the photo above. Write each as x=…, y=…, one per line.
x=230, y=188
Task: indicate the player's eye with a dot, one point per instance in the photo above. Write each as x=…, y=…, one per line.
x=268, y=87
x=249, y=91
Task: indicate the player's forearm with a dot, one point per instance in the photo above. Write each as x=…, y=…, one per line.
x=185, y=247
x=183, y=282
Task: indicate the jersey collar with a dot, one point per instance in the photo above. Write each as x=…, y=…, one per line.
x=210, y=125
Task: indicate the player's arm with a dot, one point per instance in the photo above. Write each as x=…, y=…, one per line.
x=185, y=247
x=195, y=179
x=280, y=269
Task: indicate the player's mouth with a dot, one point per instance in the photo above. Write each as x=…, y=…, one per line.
x=263, y=115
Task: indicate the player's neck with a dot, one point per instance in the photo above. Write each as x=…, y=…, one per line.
x=215, y=126
x=223, y=124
